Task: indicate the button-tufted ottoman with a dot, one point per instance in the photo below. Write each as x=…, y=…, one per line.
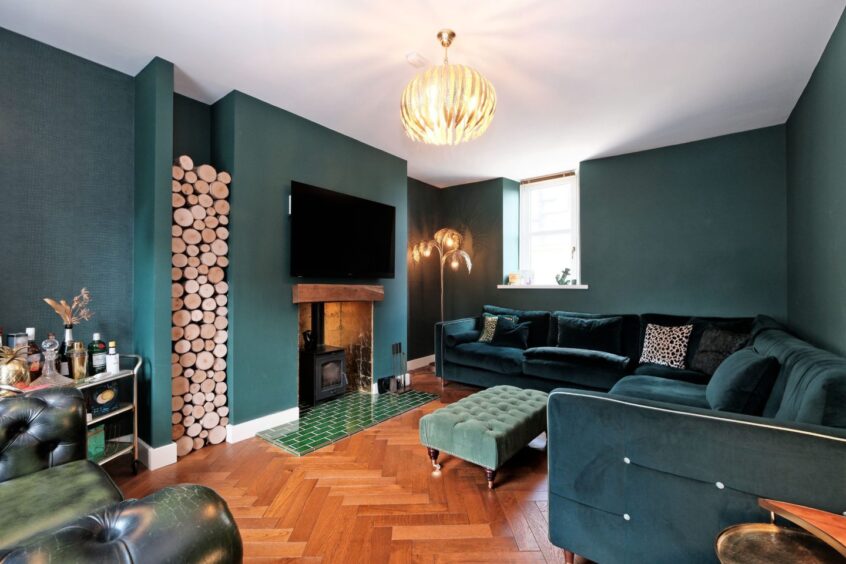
x=486, y=428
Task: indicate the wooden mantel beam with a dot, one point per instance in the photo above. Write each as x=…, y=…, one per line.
x=307, y=293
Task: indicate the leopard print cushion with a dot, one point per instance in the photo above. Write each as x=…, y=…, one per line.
x=489, y=326
x=665, y=345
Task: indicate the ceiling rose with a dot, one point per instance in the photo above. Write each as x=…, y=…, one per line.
x=447, y=104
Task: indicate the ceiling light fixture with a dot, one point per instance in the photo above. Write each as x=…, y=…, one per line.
x=447, y=104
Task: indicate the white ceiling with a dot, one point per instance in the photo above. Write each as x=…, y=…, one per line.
x=575, y=79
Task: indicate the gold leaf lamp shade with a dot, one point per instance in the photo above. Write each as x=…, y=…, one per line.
x=448, y=104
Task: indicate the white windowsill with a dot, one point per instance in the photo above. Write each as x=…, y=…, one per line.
x=543, y=287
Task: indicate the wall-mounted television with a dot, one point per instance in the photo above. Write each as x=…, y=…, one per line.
x=336, y=235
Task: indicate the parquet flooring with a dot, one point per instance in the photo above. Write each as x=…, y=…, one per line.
x=372, y=497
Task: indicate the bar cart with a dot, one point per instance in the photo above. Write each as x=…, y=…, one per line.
x=112, y=411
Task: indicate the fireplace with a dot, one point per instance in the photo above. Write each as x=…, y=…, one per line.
x=336, y=339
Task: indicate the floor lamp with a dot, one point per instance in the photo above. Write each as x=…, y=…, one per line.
x=448, y=244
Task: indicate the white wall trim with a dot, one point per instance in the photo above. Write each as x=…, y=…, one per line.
x=248, y=429
x=416, y=363
x=155, y=458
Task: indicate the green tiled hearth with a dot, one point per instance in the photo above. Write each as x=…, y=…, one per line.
x=333, y=420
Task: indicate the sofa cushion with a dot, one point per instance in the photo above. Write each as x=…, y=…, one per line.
x=504, y=360
x=510, y=334
x=601, y=334
x=662, y=389
x=539, y=320
x=630, y=341
x=742, y=383
x=714, y=346
x=49, y=498
x=666, y=345
x=663, y=371
x=578, y=356
x=464, y=337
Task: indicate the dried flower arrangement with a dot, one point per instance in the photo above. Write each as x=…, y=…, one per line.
x=75, y=312
x=9, y=354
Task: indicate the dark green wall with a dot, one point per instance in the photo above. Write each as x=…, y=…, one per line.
x=192, y=129
x=153, y=157
x=423, y=277
x=694, y=228
x=816, y=196
x=265, y=148
x=66, y=177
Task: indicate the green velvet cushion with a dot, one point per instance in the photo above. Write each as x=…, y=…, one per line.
x=602, y=334
x=742, y=383
x=664, y=371
x=539, y=328
x=463, y=337
x=578, y=356
x=662, y=389
x=48, y=498
x=510, y=334
x=488, y=427
x=572, y=374
x=504, y=360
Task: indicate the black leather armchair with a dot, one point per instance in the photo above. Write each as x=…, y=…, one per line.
x=56, y=506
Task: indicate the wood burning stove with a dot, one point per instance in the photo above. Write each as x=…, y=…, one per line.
x=322, y=369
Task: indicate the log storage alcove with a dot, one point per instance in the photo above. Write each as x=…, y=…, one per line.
x=199, y=255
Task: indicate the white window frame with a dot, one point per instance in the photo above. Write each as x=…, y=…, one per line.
x=526, y=187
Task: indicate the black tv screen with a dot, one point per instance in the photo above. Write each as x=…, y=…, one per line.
x=336, y=235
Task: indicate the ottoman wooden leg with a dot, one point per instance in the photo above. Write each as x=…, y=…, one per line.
x=569, y=557
x=433, y=456
x=490, y=475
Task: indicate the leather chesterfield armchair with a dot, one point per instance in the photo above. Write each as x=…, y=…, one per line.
x=56, y=506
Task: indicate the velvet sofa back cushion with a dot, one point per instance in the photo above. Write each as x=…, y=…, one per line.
x=811, y=384
x=510, y=334
x=600, y=334
x=538, y=320
x=742, y=383
x=630, y=337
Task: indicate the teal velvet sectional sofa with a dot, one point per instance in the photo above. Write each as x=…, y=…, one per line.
x=641, y=467
x=543, y=365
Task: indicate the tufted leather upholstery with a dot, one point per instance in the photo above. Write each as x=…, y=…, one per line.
x=40, y=430
x=185, y=523
x=488, y=427
x=55, y=506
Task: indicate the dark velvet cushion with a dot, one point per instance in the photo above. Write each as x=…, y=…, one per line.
x=504, y=360
x=539, y=322
x=464, y=337
x=742, y=383
x=510, y=334
x=602, y=334
x=578, y=356
x=715, y=345
x=663, y=371
x=662, y=389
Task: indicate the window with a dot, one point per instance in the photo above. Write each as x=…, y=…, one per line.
x=549, y=229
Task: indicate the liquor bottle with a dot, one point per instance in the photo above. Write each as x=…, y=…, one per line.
x=64, y=352
x=79, y=361
x=33, y=358
x=96, y=355
x=112, y=359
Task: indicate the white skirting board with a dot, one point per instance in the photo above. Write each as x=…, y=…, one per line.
x=416, y=363
x=155, y=458
x=248, y=429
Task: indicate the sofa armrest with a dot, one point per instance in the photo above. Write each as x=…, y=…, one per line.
x=184, y=523
x=41, y=429
x=629, y=477
x=450, y=328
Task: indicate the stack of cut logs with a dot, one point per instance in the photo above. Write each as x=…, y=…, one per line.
x=199, y=297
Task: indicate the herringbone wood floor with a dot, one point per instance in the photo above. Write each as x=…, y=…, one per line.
x=372, y=497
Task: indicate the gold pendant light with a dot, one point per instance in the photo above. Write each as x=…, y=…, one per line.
x=447, y=104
